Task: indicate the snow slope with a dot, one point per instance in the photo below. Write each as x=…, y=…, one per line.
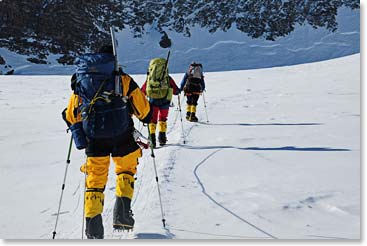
x=279, y=158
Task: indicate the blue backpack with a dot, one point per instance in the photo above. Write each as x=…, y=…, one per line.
x=104, y=114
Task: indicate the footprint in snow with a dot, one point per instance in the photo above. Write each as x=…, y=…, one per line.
x=309, y=202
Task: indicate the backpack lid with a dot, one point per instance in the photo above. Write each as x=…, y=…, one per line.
x=194, y=64
x=157, y=62
x=158, y=69
x=100, y=63
x=195, y=70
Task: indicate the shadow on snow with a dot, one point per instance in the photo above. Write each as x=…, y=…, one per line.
x=284, y=148
x=151, y=236
x=261, y=124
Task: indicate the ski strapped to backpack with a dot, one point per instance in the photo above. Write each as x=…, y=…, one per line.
x=158, y=85
x=118, y=88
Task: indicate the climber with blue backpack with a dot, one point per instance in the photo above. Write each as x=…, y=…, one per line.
x=99, y=115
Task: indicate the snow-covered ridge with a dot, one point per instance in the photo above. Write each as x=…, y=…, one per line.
x=221, y=51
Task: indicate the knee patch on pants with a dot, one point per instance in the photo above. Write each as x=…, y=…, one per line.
x=93, y=203
x=125, y=185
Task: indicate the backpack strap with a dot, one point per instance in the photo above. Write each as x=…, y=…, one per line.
x=96, y=96
x=77, y=109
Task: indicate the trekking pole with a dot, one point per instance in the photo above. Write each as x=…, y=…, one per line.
x=156, y=178
x=85, y=190
x=63, y=185
x=182, y=128
x=206, y=112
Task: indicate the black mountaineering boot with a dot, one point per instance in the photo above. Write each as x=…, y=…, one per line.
x=162, y=138
x=188, y=115
x=193, y=118
x=122, y=214
x=94, y=227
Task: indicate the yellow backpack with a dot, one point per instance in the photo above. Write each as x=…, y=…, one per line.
x=158, y=86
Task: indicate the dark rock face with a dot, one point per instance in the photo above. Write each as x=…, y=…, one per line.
x=165, y=41
x=2, y=61
x=70, y=27
x=5, y=68
x=36, y=61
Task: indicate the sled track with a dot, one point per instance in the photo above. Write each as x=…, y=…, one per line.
x=220, y=205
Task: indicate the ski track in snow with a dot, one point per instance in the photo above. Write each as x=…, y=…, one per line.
x=220, y=205
x=170, y=166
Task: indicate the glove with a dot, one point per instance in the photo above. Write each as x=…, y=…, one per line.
x=63, y=114
x=149, y=116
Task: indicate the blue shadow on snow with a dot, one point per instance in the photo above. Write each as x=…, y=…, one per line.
x=151, y=236
x=285, y=148
x=260, y=124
